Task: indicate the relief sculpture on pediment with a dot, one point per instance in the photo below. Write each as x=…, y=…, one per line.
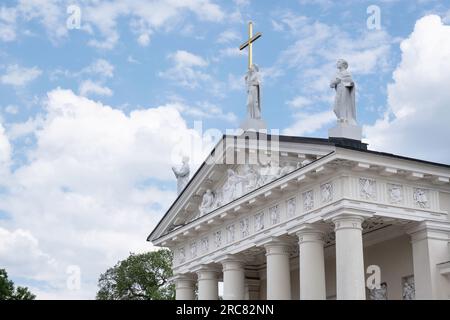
x=241, y=181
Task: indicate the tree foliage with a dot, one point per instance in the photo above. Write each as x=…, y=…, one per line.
x=9, y=292
x=139, y=277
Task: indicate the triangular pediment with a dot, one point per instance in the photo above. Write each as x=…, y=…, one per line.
x=235, y=169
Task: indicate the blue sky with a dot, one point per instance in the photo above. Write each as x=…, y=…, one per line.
x=89, y=117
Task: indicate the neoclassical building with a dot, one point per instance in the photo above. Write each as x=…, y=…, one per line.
x=280, y=217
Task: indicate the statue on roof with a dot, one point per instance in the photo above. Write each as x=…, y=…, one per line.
x=344, y=102
x=182, y=174
x=252, y=79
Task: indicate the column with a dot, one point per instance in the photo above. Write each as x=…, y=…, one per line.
x=208, y=286
x=278, y=271
x=184, y=287
x=252, y=289
x=311, y=264
x=350, y=280
x=430, y=248
x=233, y=279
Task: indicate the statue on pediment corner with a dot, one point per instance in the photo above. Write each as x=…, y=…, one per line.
x=182, y=174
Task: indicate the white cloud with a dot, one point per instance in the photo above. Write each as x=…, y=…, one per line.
x=7, y=24
x=417, y=120
x=100, y=67
x=307, y=123
x=144, y=39
x=228, y=36
x=147, y=17
x=186, y=70
x=130, y=59
x=231, y=52
x=21, y=255
x=89, y=87
x=19, y=76
x=90, y=183
x=206, y=110
x=5, y=149
x=100, y=18
x=50, y=13
x=12, y=109
x=236, y=83
x=299, y=102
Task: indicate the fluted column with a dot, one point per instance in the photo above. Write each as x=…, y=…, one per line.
x=311, y=263
x=350, y=281
x=278, y=271
x=208, y=288
x=430, y=247
x=184, y=287
x=233, y=279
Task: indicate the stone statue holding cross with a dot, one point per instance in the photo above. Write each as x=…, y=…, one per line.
x=253, y=83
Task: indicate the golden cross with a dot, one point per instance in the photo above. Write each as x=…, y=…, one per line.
x=249, y=43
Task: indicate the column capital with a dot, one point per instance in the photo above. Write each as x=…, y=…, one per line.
x=182, y=276
x=232, y=262
x=206, y=268
x=429, y=230
x=348, y=221
x=183, y=281
x=277, y=246
x=311, y=233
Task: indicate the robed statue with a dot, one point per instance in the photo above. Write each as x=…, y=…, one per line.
x=344, y=102
x=182, y=174
x=252, y=80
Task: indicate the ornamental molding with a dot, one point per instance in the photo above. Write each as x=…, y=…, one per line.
x=392, y=189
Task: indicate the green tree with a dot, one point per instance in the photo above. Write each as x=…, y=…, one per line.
x=139, y=277
x=9, y=292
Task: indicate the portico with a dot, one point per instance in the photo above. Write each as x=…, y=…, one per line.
x=313, y=232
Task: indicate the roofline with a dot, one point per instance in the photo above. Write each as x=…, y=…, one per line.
x=345, y=144
x=392, y=155
x=260, y=187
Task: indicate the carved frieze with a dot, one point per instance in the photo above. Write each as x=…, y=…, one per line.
x=259, y=221
x=204, y=244
x=367, y=189
x=218, y=238
x=308, y=200
x=395, y=193
x=181, y=255
x=421, y=198
x=274, y=213
x=326, y=191
x=241, y=181
x=231, y=233
x=245, y=227
x=291, y=206
x=194, y=249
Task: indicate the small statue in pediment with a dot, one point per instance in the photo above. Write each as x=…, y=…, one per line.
x=251, y=178
x=232, y=188
x=207, y=202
